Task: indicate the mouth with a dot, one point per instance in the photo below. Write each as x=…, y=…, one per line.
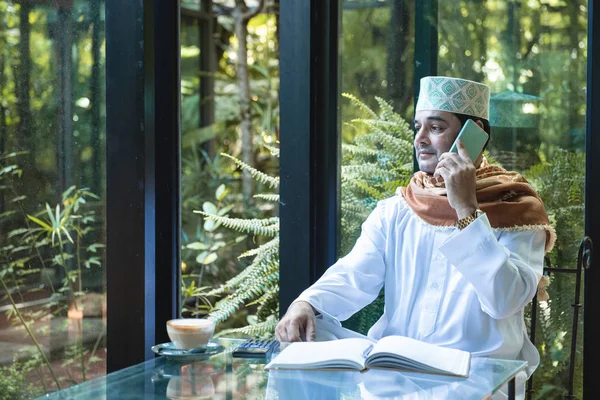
x=424, y=154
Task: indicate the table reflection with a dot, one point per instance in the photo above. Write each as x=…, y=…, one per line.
x=191, y=383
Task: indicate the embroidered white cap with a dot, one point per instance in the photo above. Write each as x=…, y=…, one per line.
x=461, y=96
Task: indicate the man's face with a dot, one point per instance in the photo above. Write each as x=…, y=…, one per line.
x=435, y=133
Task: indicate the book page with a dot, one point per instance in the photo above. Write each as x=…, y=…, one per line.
x=421, y=355
x=343, y=353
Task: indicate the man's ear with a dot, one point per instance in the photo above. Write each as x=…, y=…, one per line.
x=479, y=123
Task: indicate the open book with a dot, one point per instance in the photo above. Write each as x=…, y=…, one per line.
x=393, y=352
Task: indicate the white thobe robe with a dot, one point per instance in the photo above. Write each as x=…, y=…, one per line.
x=461, y=289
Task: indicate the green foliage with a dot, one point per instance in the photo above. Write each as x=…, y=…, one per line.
x=373, y=169
x=560, y=184
x=60, y=239
x=205, y=152
x=14, y=383
x=258, y=283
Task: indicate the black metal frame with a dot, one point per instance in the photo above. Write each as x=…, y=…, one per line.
x=584, y=258
x=591, y=332
x=310, y=184
x=426, y=46
x=143, y=176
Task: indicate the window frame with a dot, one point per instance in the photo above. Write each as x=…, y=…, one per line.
x=143, y=221
x=310, y=143
x=591, y=356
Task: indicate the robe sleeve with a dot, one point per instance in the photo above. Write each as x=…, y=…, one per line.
x=504, y=270
x=355, y=280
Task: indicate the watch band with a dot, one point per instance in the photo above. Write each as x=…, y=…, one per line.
x=466, y=221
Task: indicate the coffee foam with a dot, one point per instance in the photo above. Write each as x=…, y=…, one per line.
x=191, y=323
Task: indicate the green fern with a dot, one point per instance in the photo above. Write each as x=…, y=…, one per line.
x=359, y=151
x=271, y=181
x=272, y=246
x=274, y=150
x=560, y=183
x=262, y=227
x=359, y=104
x=257, y=284
x=267, y=196
x=379, y=160
x=256, y=330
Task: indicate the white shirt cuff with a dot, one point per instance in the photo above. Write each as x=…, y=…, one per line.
x=322, y=314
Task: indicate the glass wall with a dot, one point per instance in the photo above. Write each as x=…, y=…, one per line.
x=533, y=55
x=52, y=185
x=230, y=118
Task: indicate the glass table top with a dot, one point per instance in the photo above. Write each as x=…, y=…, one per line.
x=225, y=377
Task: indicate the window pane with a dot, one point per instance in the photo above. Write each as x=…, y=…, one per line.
x=52, y=185
x=230, y=112
x=377, y=55
x=533, y=55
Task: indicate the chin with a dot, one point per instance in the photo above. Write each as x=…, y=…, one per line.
x=428, y=169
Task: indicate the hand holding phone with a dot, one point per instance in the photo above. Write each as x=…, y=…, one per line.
x=473, y=137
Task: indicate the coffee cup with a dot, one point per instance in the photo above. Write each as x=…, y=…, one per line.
x=190, y=333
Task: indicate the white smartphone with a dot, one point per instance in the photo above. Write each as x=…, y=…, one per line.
x=473, y=138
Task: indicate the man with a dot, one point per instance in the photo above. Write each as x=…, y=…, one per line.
x=459, y=250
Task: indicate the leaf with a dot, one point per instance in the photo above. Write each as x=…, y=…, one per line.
x=197, y=136
x=92, y=260
x=67, y=233
x=201, y=257
x=209, y=208
x=240, y=238
x=197, y=246
x=221, y=192
x=211, y=258
x=8, y=169
x=225, y=210
x=7, y=213
x=218, y=245
x=94, y=247
x=17, y=232
x=18, y=198
x=53, y=220
x=209, y=225
x=40, y=222
x=94, y=359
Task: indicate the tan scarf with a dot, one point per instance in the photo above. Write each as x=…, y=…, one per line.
x=508, y=200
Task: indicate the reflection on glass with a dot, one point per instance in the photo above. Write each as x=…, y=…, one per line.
x=533, y=55
x=191, y=383
x=52, y=275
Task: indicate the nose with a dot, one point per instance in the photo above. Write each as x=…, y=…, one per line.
x=421, y=137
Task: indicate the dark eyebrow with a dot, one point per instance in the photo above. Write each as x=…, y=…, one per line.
x=432, y=118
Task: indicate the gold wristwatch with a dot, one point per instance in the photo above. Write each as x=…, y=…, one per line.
x=464, y=222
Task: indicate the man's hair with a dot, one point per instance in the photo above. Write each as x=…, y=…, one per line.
x=486, y=124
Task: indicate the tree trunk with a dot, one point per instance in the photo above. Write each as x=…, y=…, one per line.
x=243, y=79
